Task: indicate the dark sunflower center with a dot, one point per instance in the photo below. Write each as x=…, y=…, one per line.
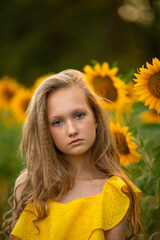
x=8, y=94
x=154, y=85
x=105, y=87
x=121, y=143
x=154, y=112
x=24, y=104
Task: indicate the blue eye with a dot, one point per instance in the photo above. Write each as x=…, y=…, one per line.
x=80, y=115
x=56, y=123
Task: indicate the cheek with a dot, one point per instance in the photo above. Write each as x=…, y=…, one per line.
x=56, y=135
x=58, y=139
x=89, y=127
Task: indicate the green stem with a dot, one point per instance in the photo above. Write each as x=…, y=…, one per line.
x=147, y=159
x=157, y=195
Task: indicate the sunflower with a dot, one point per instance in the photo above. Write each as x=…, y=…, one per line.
x=104, y=82
x=20, y=103
x=148, y=84
x=39, y=80
x=131, y=93
x=132, y=97
x=8, y=88
x=150, y=116
x=125, y=146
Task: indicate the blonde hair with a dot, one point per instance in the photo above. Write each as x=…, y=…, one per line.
x=48, y=176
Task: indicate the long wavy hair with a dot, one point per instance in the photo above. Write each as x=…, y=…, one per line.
x=47, y=175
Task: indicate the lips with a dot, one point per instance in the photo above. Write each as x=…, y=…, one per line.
x=76, y=140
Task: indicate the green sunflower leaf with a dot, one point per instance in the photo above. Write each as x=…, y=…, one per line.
x=128, y=77
x=94, y=62
x=114, y=64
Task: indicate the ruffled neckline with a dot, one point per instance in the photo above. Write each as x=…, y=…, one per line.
x=85, y=198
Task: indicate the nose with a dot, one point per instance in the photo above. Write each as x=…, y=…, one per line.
x=72, y=129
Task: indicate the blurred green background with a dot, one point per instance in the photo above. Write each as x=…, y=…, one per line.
x=40, y=37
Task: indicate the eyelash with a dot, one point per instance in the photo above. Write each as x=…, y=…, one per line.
x=54, y=123
x=80, y=114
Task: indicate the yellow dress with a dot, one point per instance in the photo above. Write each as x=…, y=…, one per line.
x=81, y=219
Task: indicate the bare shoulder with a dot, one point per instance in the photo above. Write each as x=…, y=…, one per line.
x=20, y=183
x=117, y=232
x=21, y=177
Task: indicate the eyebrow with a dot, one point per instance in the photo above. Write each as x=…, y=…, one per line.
x=80, y=109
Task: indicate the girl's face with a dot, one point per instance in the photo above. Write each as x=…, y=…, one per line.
x=70, y=118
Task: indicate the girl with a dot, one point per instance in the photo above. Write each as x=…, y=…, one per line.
x=73, y=187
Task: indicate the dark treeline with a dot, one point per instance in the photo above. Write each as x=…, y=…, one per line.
x=38, y=37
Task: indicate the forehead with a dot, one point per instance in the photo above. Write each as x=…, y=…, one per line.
x=66, y=99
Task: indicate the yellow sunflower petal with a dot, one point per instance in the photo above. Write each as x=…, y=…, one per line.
x=144, y=97
x=105, y=66
x=89, y=69
x=97, y=67
x=104, y=69
x=149, y=100
x=111, y=88
x=20, y=103
x=8, y=88
x=143, y=91
x=157, y=105
x=137, y=75
x=148, y=85
x=153, y=103
x=150, y=117
x=151, y=68
x=114, y=71
x=145, y=71
x=156, y=63
x=125, y=146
